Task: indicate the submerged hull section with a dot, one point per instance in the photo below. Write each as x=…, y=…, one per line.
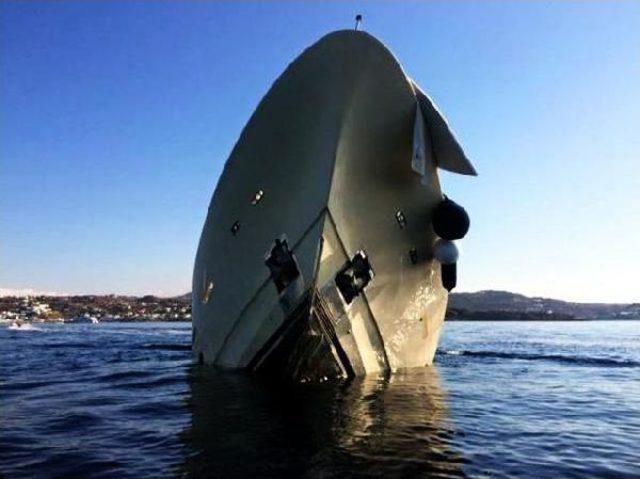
x=316, y=256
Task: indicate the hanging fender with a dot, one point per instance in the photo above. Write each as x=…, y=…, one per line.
x=446, y=252
x=450, y=220
x=449, y=275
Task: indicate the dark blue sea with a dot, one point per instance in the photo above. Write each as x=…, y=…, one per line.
x=505, y=399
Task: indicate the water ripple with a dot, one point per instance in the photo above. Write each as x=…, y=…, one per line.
x=505, y=400
x=577, y=360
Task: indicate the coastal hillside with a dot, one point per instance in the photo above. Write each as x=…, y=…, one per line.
x=482, y=305
x=503, y=305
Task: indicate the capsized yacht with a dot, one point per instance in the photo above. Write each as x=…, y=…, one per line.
x=328, y=247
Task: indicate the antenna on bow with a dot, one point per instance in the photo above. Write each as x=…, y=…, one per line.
x=358, y=22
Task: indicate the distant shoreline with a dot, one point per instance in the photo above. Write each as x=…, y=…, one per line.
x=480, y=306
x=448, y=320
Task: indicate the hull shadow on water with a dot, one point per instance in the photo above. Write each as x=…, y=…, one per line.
x=242, y=426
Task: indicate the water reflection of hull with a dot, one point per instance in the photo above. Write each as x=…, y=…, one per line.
x=394, y=427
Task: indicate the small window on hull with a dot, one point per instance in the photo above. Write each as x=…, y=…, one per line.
x=206, y=294
x=257, y=197
x=413, y=255
x=401, y=219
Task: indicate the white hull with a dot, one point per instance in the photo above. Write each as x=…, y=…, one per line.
x=325, y=163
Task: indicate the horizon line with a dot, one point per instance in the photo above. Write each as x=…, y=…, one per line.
x=27, y=292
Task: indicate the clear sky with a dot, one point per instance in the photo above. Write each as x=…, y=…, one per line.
x=116, y=119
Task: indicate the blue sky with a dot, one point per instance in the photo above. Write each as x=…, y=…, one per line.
x=116, y=119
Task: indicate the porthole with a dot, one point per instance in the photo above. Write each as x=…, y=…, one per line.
x=401, y=219
x=257, y=197
x=413, y=255
x=206, y=294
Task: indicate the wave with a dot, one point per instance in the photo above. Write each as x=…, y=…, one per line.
x=23, y=327
x=179, y=331
x=168, y=347
x=135, y=331
x=131, y=374
x=577, y=360
x=71, y=345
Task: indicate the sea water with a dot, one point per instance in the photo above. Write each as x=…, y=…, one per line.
x=504, y=399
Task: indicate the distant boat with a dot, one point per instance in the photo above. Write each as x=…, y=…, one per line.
x=19, y=325
x=319, y=255
x=48, y=320
x=83, y=319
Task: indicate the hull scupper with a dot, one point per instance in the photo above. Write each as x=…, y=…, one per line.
x=317, y=254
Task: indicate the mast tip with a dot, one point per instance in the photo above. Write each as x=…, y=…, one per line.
x=358, y=21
